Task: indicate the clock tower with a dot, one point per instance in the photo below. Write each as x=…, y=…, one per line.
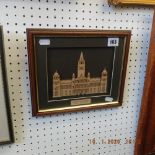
x=81, y=66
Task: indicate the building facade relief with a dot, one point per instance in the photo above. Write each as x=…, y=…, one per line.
x=81, y=84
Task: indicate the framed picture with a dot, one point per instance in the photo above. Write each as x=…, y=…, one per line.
x=131, y=2
x=6, y=131
x=74, y=70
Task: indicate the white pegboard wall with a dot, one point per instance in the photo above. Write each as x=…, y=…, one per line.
x=70, y=133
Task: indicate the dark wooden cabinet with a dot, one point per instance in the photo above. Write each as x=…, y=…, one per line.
x=145, y=140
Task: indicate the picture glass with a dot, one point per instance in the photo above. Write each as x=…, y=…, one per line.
x=88, y=72
x=6, y=131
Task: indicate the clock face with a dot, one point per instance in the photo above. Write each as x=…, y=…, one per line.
x=81, y=68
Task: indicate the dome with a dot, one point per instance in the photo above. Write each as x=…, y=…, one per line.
x=56, y=75
x=104, y=72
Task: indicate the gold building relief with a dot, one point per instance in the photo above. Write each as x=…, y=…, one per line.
x=80, y=84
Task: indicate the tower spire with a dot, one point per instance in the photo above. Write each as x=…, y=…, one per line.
x=81, y=57
x=81, y=66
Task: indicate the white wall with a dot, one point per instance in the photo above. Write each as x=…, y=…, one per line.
x=69, y=134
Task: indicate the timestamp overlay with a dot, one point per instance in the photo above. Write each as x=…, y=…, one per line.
x=114, y=141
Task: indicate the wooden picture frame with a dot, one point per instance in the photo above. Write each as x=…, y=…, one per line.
x=132, y=2
x=72, y=70
x=6, y=129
